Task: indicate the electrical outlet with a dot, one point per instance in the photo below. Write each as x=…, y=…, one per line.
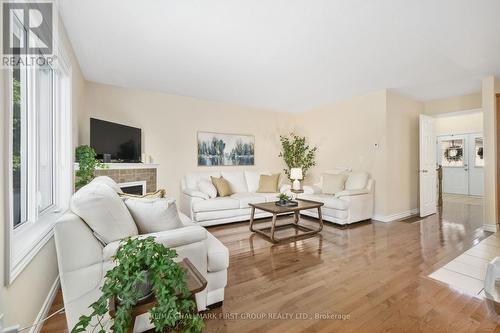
x=12, y=329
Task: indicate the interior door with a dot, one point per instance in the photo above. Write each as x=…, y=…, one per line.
x=476, y=164
x=427, y=166
x=453, y=156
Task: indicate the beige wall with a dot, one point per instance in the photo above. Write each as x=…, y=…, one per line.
x=23, y=299
x=402, y=162
x=452, y=104
x=459, y=123
x=170, y=124
x=489, y=109
x=345, y=134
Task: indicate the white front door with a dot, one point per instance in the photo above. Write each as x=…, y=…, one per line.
x=475, y=165
x=461, y=157
x=427, y=166
x=453, y=152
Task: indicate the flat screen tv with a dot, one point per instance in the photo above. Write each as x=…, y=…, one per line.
x=122, y=143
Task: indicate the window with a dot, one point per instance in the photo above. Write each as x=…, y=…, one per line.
x=40, y=154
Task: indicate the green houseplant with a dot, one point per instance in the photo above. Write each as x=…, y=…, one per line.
x=86, y=157
x=174, y=311
x=297, y=153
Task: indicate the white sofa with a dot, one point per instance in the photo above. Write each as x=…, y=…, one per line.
x=352, y=205
x=208, y=211
x=83, y=261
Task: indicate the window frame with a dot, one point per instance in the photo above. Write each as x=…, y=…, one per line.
x=24, y=241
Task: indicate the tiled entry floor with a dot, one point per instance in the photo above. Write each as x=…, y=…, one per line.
x=466, y=272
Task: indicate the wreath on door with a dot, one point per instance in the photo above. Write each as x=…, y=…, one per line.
x=454, y=153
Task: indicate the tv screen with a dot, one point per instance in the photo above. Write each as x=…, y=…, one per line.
x=122, y=142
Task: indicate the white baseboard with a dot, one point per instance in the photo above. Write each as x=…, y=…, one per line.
x=490, y=227
x=394, y=217
x=44, y=311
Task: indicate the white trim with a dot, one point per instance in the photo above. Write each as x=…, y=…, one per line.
x=395, y=217
x=456, y=113
x=123, y=166
x=44, y=310
x=137, y=183
x=490, y=227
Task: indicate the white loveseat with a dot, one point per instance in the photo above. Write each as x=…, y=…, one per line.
x=208, y=211
x=83, y=261
x=351, y=205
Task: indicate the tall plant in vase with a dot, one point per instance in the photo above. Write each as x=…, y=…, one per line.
x=297, y=153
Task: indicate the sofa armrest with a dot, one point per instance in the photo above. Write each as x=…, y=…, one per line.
x=347, y=193
x=195, y=193
x=311, y=189
x=170, y=238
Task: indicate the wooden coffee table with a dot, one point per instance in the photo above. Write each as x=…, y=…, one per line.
x=195, y=283
x=271, y=207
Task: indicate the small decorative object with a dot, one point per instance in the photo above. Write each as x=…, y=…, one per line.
x=128, y=282
x=285, y=200
x=297, y=153
x=454, y=153
x=225, y=149
x=86, y=157
x=296, y=175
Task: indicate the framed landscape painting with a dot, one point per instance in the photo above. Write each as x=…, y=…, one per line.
x=218, y=149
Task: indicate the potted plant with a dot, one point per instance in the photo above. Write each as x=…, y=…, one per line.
x=140, y=262
x=297, y=153
x=86, y=158
x=283, y=199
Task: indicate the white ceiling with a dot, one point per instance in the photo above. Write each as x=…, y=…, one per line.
x=287, y=55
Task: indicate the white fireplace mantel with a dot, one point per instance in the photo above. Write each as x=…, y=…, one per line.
x=122, y=166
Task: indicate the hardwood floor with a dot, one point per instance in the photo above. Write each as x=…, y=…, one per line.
x=372, y=275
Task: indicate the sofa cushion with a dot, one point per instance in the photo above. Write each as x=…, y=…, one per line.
x=253, y=177
x=207, y=187
x=356, y=181
x=329, y=200
x=191, y=179
x=221, y=214
x=217, y=253
x=104, y=212
x=219, y=203
x=269, y=184
x=154, y=215
x=108, y=181
x=245, y=198
x=270, y=197
x=222, y=185
x=236, y=180
x=333, y=183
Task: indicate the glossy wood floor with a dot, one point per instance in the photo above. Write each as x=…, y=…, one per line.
x=372, y=275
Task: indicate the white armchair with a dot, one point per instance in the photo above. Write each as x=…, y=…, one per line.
x=83, y=261
x=353, y=204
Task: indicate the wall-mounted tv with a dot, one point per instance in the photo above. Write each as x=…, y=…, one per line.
x=122, y=143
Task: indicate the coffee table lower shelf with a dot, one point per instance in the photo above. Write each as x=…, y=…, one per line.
x=269, y=233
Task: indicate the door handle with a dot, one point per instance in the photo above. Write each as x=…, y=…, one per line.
x=423, y=171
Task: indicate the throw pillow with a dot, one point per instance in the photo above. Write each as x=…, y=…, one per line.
x=268, y=184
x=333, y=183
x=151, y=195
x=104, y=212
x=154, y=215
x=222, y=186
x=206, y=187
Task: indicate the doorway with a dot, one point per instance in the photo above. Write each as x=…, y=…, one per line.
x=461, y=156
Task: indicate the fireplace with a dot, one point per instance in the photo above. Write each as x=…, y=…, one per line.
x=138, y=187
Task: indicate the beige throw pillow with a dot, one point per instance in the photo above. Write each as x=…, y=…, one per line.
x=333, y=183
x=268, y=184
x=150, y=195
x=222, y=186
